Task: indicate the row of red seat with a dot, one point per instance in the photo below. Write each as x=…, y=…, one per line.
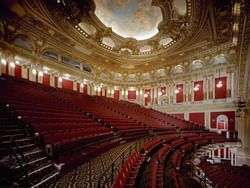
x=225, y=175
x=59, y=123
x=129, y=171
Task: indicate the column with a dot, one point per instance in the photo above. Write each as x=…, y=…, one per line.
x=228, y=74
x=24, y=72
x=173, y=93
x=52, y=80
x=232, y=84
x=74, y=86
x=168, y=93
x=207, y=120
x=211, y=87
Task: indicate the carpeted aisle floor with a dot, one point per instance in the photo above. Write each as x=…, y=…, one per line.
x=86, y=175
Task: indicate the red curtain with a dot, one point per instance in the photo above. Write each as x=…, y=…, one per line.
x=85, y=89
x=78, y=87
x=198, y=117
x=46, y=79
x=180, y=115
x=103, y=92
x=18, y=71
x=163, y=90
x=56, y=82
x=131, y=95
x=7, y=68
x=221, y=93
x=117, y=94
x=147, y=93
x=28, y=74
x=198, y=95
x=221, y=153
x=179, y=96
x=216, y=153
x=67, y=84
x=231, y=119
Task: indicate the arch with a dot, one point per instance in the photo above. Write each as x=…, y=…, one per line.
x=219, y=59
x=222, y=122
x=178, y=69
x=50, y=54
x=197, y=64
x=24, y=42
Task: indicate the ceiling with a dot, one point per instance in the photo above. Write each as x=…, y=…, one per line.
x=130, y=19
x=129, y=37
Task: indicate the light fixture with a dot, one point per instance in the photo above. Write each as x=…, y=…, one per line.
x=145, y=95
x=3, y=61
x=160, y=93
x=177, y=90
x=40, y=73
x=81, y=85
x=12, y=65
x=197, y=86
x=34, y=71
x=60, y=79
x=17, y=62
x=219, y=84
x=45, y=71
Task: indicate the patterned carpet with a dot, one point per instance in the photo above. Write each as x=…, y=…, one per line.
x=86, y=175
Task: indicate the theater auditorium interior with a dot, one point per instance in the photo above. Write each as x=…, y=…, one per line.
x=125, y=93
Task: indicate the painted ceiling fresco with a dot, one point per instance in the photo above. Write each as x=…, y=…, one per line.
x=129, y=18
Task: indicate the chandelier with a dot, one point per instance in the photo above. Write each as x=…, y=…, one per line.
x=219, y=84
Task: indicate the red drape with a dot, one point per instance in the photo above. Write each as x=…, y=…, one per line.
x=85, y=89
x=148, y=96
x=116, y=94
x=179, y=96
x=56, y=82
x=198, y=117
x=46, y=79
x=221, y=93
x=179, y=115
x=18, y=71
x=231, y=119
x=198, y=95
x=131, y=94
x=78, y=87
x=67, y=84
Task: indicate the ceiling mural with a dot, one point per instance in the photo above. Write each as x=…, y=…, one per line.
x=129, y=18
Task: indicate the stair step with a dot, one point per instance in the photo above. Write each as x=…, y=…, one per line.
x=7, y=137
x=20, y=141
x=33, y=161
x=11, y=126
x=26, y=147
x=11, y=130
x=33, y=153
x=46, y=179
x=41, y=168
